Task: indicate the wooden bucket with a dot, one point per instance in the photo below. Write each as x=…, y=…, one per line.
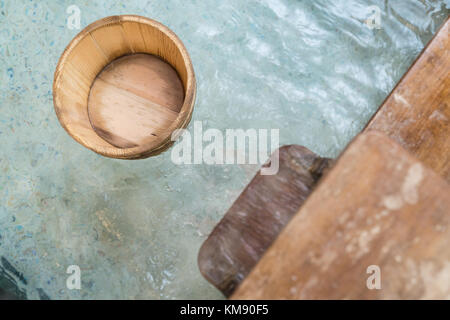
x=123, y=85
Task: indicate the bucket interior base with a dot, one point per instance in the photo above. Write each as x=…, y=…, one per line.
x=134, y=99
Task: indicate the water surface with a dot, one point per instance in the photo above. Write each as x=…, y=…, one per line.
x=313, y=69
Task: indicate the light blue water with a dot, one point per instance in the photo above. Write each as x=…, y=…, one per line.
x=311, y=68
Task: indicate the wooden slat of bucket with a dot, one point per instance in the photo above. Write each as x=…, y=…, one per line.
x=257, y=216
x=417, y=112
x=379, y=206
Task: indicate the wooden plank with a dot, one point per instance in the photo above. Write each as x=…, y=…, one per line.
x=255, y=219
x=378, y=206
x=417, y=112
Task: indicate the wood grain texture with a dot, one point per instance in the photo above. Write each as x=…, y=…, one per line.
x=134, y=97
x=377, y=206
x=255, y=219
x=417, y=112
x=89, y=53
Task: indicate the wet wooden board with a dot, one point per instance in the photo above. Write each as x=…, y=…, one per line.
x=379, y=206
x=420, y=125
x=134, y=98
x=417, y=112
x=257, y=216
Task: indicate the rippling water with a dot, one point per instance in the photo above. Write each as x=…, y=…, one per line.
x=314, y=69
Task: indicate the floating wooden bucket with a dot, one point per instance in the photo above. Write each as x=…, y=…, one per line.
x=123, y=85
